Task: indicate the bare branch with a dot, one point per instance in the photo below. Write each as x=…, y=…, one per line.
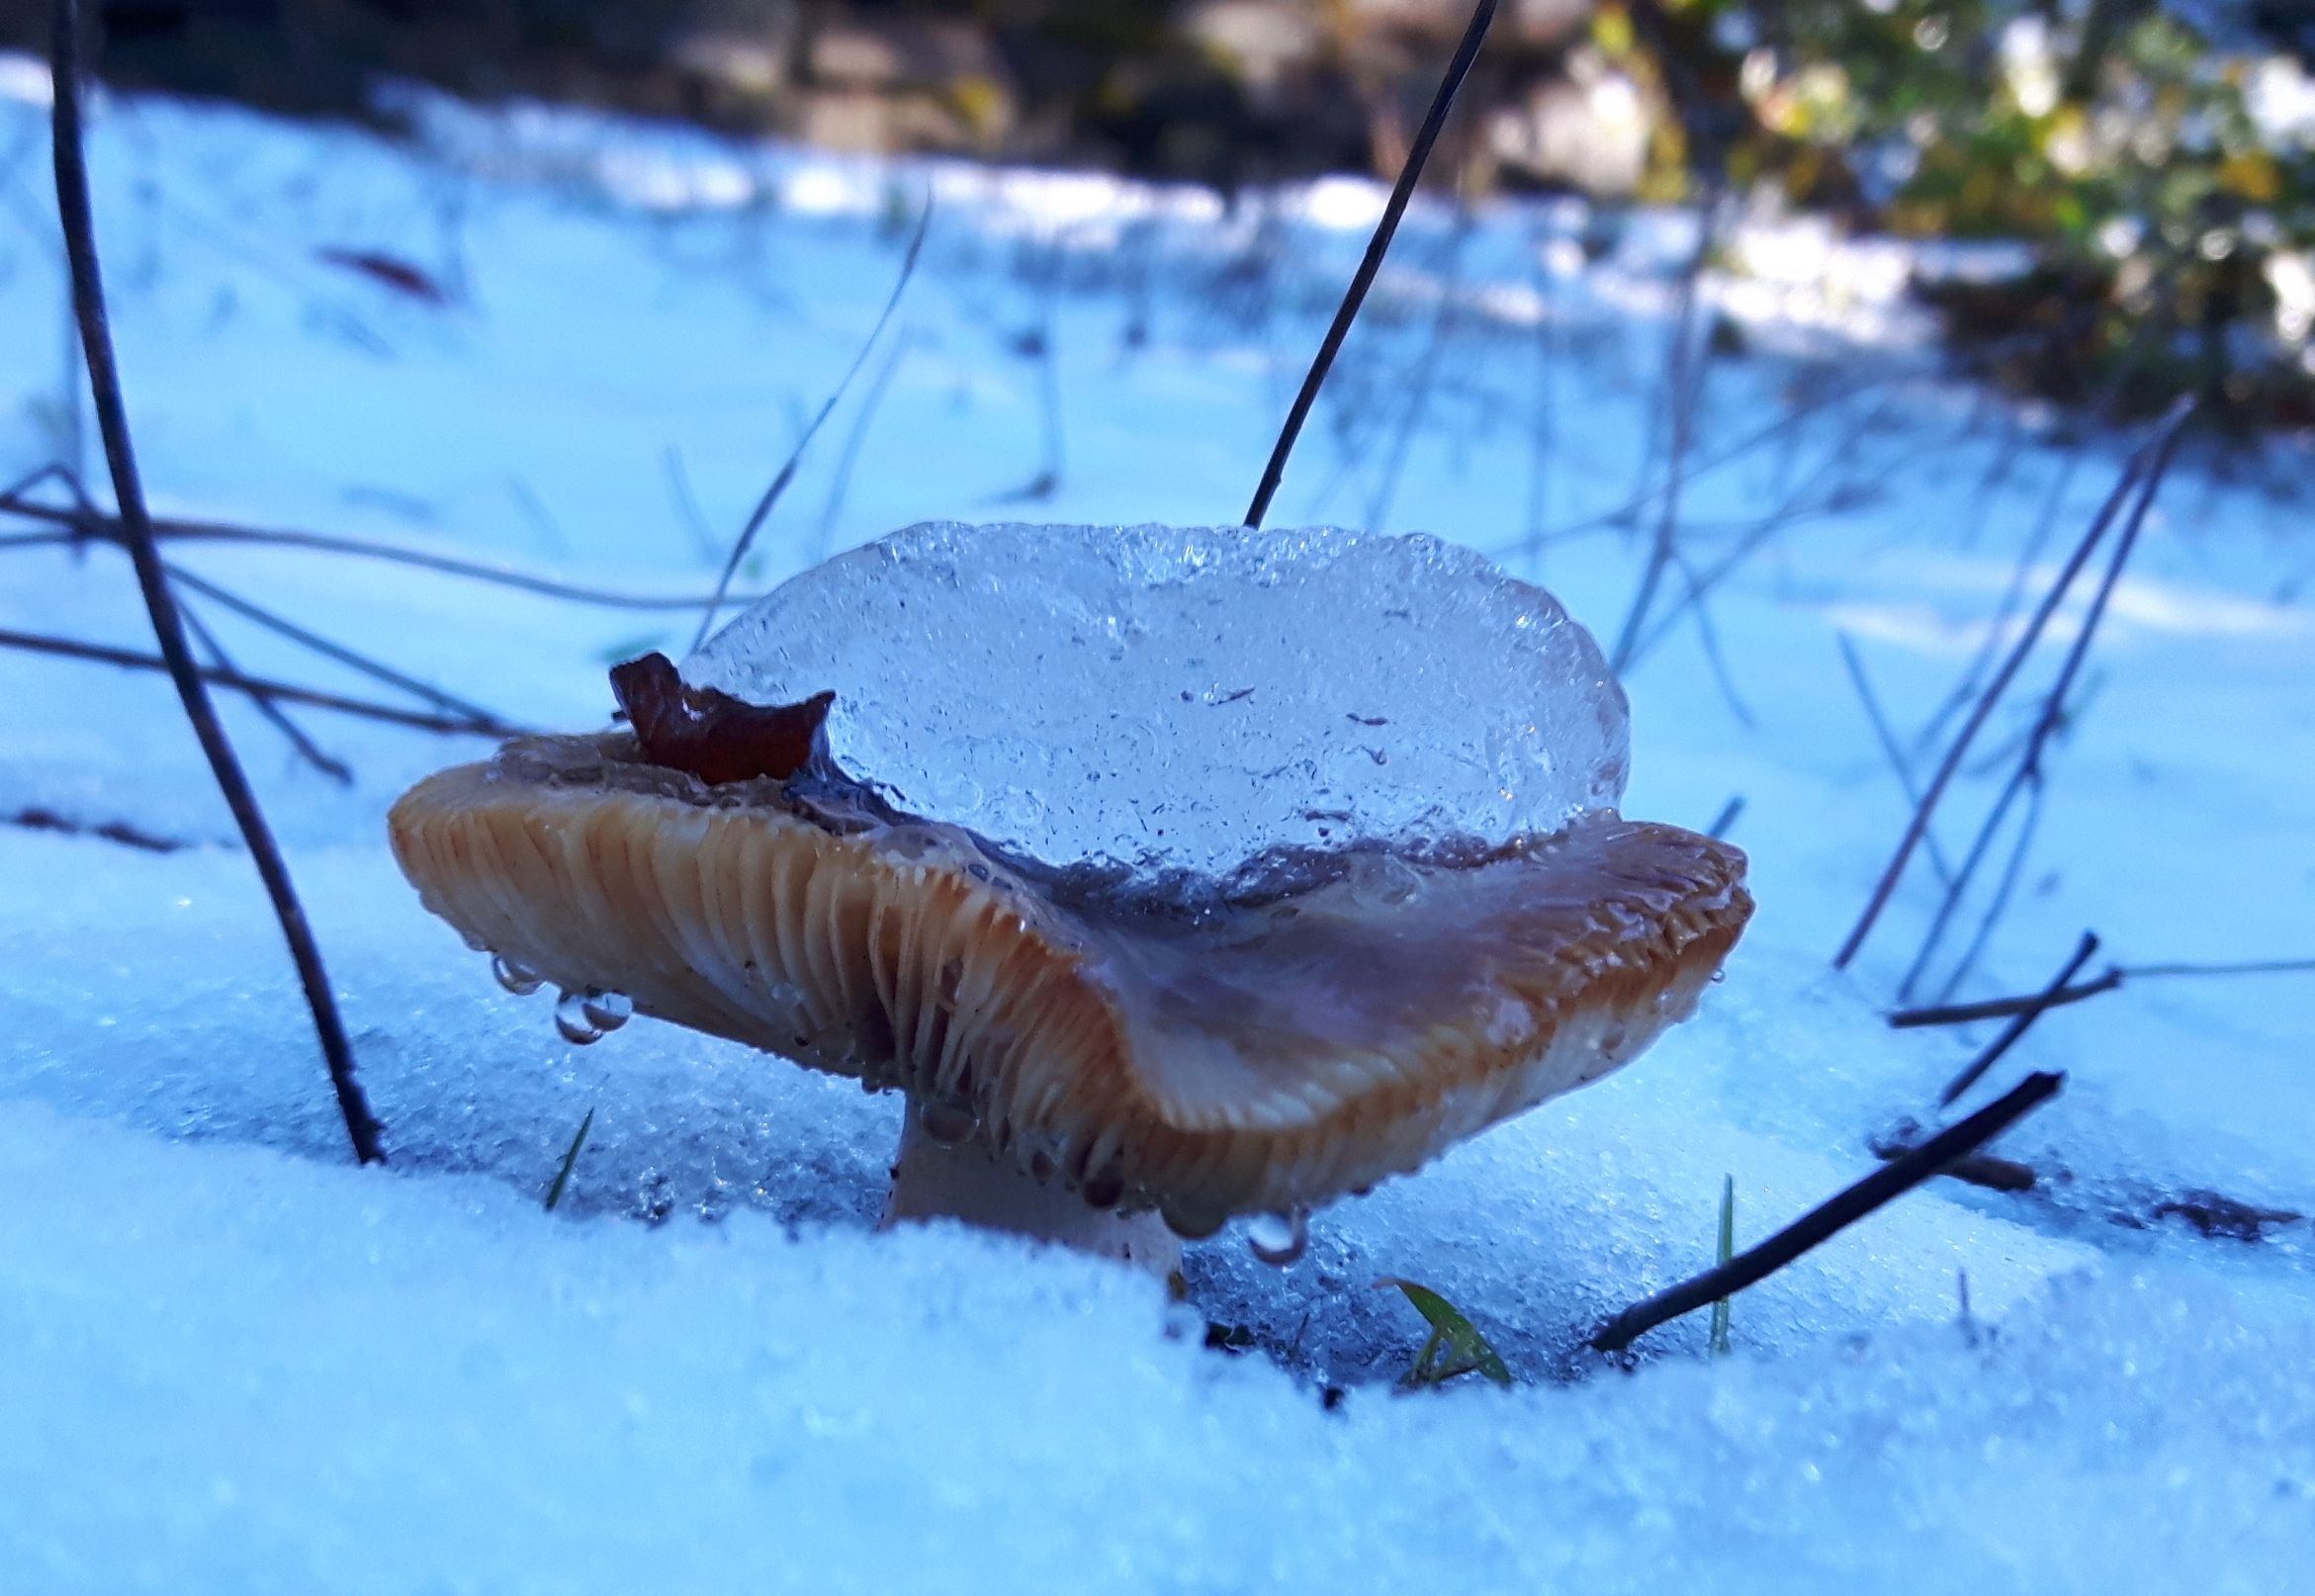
x=1822, y=1223
x=787, y=472
x=351, y=659
x=84, y=524
x=36, y=819
x=2018, y=1028
x=88, y=299
x=840, y=483
x=1418, y=153
x=2146, y=462
x=306, y=748
x=2115, y=977
x=2028, y=777
x=1886, y=736
x=1683, y=388
x=260, y=686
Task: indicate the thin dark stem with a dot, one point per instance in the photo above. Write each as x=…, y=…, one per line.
x=2052, y=713
x=1684, y=388
x=1540, y=428
x=352, y=660
x=1708, y=639
x=2148, y=972
x=1726, y=817
x=88, y=299
x=2118, y=976
x=1884, y=1184
x=2102, y=407
x=85, y=525
x=2021, y=782
x=1886, y=736
x=787, y=472
x=54, y=472
x=279, y=718
x=2141, y=463
x=1709, y=461
x=1425, y=376
x=687, y=503
x=2018, y=1028
x=1962, y=1014
x=1801, y=505
x=110, y=831
x=2028, y=777
x=2004, y=891
x=259, y=686
x=1418, y=153
x=2044, y=524
x=839, y=485
x=1047, y=482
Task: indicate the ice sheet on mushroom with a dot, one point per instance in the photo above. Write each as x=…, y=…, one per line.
x=1191, y=699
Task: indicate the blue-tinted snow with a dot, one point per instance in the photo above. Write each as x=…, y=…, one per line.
x=229, y=1362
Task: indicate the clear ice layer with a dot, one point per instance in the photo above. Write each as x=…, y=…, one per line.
x=1193, y=699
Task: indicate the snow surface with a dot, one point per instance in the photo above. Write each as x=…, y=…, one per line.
x=232, y=1361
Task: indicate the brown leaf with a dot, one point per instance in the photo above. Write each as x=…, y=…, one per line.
x=712, y=735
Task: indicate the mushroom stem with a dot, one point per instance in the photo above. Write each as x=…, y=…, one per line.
x=932, y=1180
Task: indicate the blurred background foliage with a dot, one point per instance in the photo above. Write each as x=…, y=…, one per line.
x=2156, y=164
x=2151, y=166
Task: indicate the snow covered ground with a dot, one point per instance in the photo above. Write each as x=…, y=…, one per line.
x=230, y=1361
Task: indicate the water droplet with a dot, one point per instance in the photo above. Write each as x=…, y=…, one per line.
x=1190, y=1222
x=606, y=1010
x=948, y=1124
x=570, y=1020
x=514, y=977
x=1279, y=1239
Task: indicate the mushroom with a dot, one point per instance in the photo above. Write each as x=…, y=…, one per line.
x=1101, y=1053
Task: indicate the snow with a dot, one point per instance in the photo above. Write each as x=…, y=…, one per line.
x=606, y=1407
x=1190, y=698
x=234, y=1361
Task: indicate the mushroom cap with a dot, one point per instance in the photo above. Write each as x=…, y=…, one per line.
x=1251, y=1054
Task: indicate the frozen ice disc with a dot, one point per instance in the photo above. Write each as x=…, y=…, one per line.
x=1190, y=698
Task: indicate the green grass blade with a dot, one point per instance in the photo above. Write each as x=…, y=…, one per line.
x=1727, y=1250
x=569, y=1158
x=1454, y=1347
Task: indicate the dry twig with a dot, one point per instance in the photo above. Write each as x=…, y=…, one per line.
x=1973, y=1071
x=2146, y=463
x=787, y=472
x=1418, y=152
x=85, y=525
x=88, y=299
x=1884, y=1184
x=259, y=687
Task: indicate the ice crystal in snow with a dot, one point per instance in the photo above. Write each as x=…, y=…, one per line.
x=1189, y=699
